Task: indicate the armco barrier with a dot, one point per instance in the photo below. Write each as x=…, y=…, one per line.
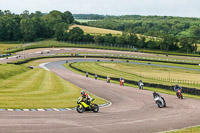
x=187, y=90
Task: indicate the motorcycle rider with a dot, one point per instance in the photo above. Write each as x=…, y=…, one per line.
x=86, y=74
x=176, y=88
x=157, y=95
x=140, y=84
x=121, y=81
x=86, y=97
x=108, y=79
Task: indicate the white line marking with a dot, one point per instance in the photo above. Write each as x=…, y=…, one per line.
x=40, y=110
x=55, y=109
x=43, y=66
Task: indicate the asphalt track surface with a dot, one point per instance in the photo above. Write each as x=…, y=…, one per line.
x=132, y=110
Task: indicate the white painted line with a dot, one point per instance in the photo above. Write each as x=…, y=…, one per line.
x=68, y=109
x=55, y=109
x=68, y=49
x=56, y=49
x=46, y=50
x=10, y=109
x=38, y=52
x=40, y=110
x=26, y=110
x=43, y=66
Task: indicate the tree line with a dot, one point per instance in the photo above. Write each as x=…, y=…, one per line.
x=183, y=31
x=33, y=26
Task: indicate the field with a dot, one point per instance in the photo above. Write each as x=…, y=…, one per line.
x=96, y=31
x=37, y=88
x=150, y=74
x=4, y=47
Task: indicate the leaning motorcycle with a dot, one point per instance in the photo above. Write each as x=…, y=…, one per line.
x=160, y=101
x=179, y=94
x=122, y=82
x=83, y=106
x=108, y=80
x=140, y=85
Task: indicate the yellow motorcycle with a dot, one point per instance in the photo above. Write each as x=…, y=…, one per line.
x=83, y=106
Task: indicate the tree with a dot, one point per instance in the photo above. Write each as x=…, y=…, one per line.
x=25, y=14
x=108, y=38
x=60, y=29
x=76, y=34
x=68, y=17
x=28, y=29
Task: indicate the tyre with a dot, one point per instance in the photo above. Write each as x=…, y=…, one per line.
x=96, y=108
x=159, y=104
x=181, y=96
x=80, y=109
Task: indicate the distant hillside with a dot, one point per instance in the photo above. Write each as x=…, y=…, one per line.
x=94, y=30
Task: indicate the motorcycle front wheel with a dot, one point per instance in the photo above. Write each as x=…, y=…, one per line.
x=80, y=109
x=96, y=108
x=159, y=104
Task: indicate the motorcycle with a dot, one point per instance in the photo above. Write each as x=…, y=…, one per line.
x=160, y=101
x=140, y=85
x=83, y=106
x=108, y=80
x=121, y=82
x=179, y=94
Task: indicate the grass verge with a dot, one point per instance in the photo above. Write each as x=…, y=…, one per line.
x=38, y=88
x=187, y=130
x=135, y=86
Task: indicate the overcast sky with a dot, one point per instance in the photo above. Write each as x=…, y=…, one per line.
x=186, y=8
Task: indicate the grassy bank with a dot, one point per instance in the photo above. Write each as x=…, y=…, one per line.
x=135, y=86
x=187, y=130
x=149, y=74
x=9, y=70
x=37, y=88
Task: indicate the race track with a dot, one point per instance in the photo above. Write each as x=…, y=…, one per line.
x=132, y=111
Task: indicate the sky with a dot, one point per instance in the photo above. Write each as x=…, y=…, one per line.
x=183, y=8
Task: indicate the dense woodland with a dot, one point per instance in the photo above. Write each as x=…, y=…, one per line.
x=33, y=26
x=176, y=32
x=166, y=33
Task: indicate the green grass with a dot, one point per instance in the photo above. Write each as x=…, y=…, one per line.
x=53, y=43
x=149, y=74
x=135, y=86
x=4, y=47
x=187, y=130
x=38, y=88
x=9, y=70
x=169, y=64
